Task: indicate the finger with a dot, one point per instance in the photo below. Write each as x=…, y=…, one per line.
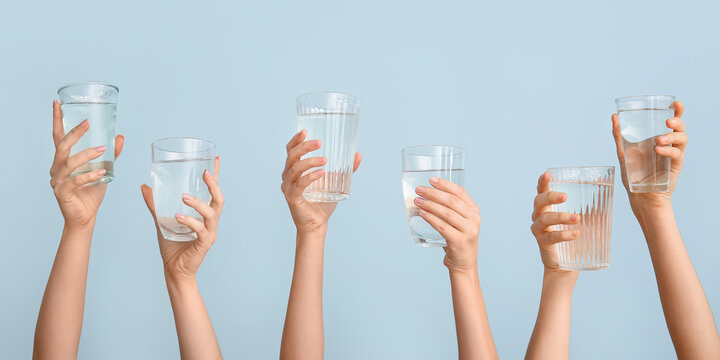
x=58, y=130
x=554, y=237
x=674, y=153
x=300, y=167
x=548, y=219
x=447, y=199
x=81, y=159
x=217, y=168
x=442, y=227
x=543, y=183
x=217, y=200
x=296, y=189
x=191, y=222
x=297, y=139
x=678, y=139
x=543, y=201
x=147, y=194
x=617, y=135
x=679, y=109
x=299, y=150
x=203, y=209
x=119, y=143
x=445, y=214
x=676, y=124
x=358, y=159
x=84, y=179
x=63, y=147
x=452, y=188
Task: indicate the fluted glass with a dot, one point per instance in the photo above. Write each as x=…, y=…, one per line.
x=590, y=195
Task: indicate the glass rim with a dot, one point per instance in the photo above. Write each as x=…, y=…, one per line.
x=88, y=83
x=455, y=149
x=581, y=167
x=644, y=97
x=156, y=146
x=328, y=93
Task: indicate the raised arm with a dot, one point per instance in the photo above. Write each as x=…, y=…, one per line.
x=551, y=336
x=448, y=208
x=303, y=336
x=687, y=312
x=59, y=324
x=181, y=261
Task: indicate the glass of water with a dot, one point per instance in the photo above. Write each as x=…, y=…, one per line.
x=96, y=102
x=589, y=195
x=178, y=165
x=642, y=120
x=333, y=119
x=419, y=164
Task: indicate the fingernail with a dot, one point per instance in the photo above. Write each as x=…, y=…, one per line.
x=85, y=123
x=186, y=197
x=420, y=189
x=573, y=217
x=323, y=160
x=662, y=138
x=316, y=142
x=422, y=212
x=419, y=201
x=100, y=148
x=207, y=172
x=101, y=172
x=179, y=217
x=576, y=233
x=434, y=180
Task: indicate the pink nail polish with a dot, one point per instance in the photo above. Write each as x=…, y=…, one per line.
x=85, y=123
x=419, y=200
x=420, y=189
x=186, y=197
x=434, y=180
x=207, y=172
x=573, y=217
x=101, y=172
x=179, y=217
x=100, y=148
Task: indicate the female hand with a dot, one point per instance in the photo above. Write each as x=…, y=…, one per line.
x=671, y=145
x=544, y=220
x=449, y=209
x=309, y=217
x=183, y=258
x=79, y=204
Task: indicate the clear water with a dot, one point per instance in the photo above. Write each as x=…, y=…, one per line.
x=592, y=201
x=101, y=132
x=337, y=133
x=647, y=171
x=170, y=179
x=420, y=230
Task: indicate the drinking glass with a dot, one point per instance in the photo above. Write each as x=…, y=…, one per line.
x=333, y=119
x=642, y=120
x=419, y=164
x=96, y=102
x=178, y=165
x=589, y=195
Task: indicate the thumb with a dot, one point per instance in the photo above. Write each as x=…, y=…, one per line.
x=358, y=159
x=148, y=197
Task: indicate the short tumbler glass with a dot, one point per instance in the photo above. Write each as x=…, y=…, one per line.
x=333, y=119
x=419, y=164
x=96, y=102
x=178, y=165
x=642, y=120
x=589, y=193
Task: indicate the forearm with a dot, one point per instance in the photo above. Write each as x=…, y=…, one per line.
x=687, y=312
x=303, y=334
x=551, y=336
x=196, y=335
x=473, y=328
x=59, y=324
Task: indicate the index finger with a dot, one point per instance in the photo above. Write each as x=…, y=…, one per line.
x=543, y=183
x=679, y=109
x=58, y=131
x=453, y=188
x=297, y=139
x=217, y=167
x=544, y=200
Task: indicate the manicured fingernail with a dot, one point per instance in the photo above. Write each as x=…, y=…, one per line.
x=422, y=212
x=85, y=123
x=434, y=180
x=100, y=148
x=187, y=197
x=576, y=233
x=322, y=160
x=573, y=217
x=101, y=172
x=663, y=138
x=316, y=142
x=179, y=217
x=419, y=201
x=207, y=172
x=420, y=189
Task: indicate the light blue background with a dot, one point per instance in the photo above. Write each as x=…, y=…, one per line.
x=522, y=86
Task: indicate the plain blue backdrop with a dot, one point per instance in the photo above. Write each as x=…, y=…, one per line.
x=521, y=85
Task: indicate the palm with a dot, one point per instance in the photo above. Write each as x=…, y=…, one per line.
x=180, y=256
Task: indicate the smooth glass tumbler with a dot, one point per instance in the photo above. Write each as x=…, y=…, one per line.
x=590, y=195
x=419, y=164
x=178, y=165
x=96, y=102
x=333, y=119
x=642, y=120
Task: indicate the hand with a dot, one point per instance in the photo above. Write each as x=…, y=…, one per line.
x=678, y=139
x=309, y=217
x=449, y=209
x=79, y=204
x=544, y=220
x=183, y=258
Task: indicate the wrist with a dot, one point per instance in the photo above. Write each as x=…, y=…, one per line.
x=79, y=229
x=561, y=278
x=180, y=281
x=470, y=270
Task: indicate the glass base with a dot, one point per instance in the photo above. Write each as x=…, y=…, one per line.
x=174, y=231
x=108, y=177
x=325, y=196
x=429, y=243
x=646, y=188
x=585, y=267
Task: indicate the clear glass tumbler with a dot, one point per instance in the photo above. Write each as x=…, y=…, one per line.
x=590, y=195
x=419, y=164
x=642, y=120
x=178, y=165
x=333, y=119
x=96, y=102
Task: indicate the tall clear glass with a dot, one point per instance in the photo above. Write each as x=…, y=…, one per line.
x=419, y=164
x=333, y=119
x=96, y=102
x=178, y=165
x=590, y=195
x=642, y=120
